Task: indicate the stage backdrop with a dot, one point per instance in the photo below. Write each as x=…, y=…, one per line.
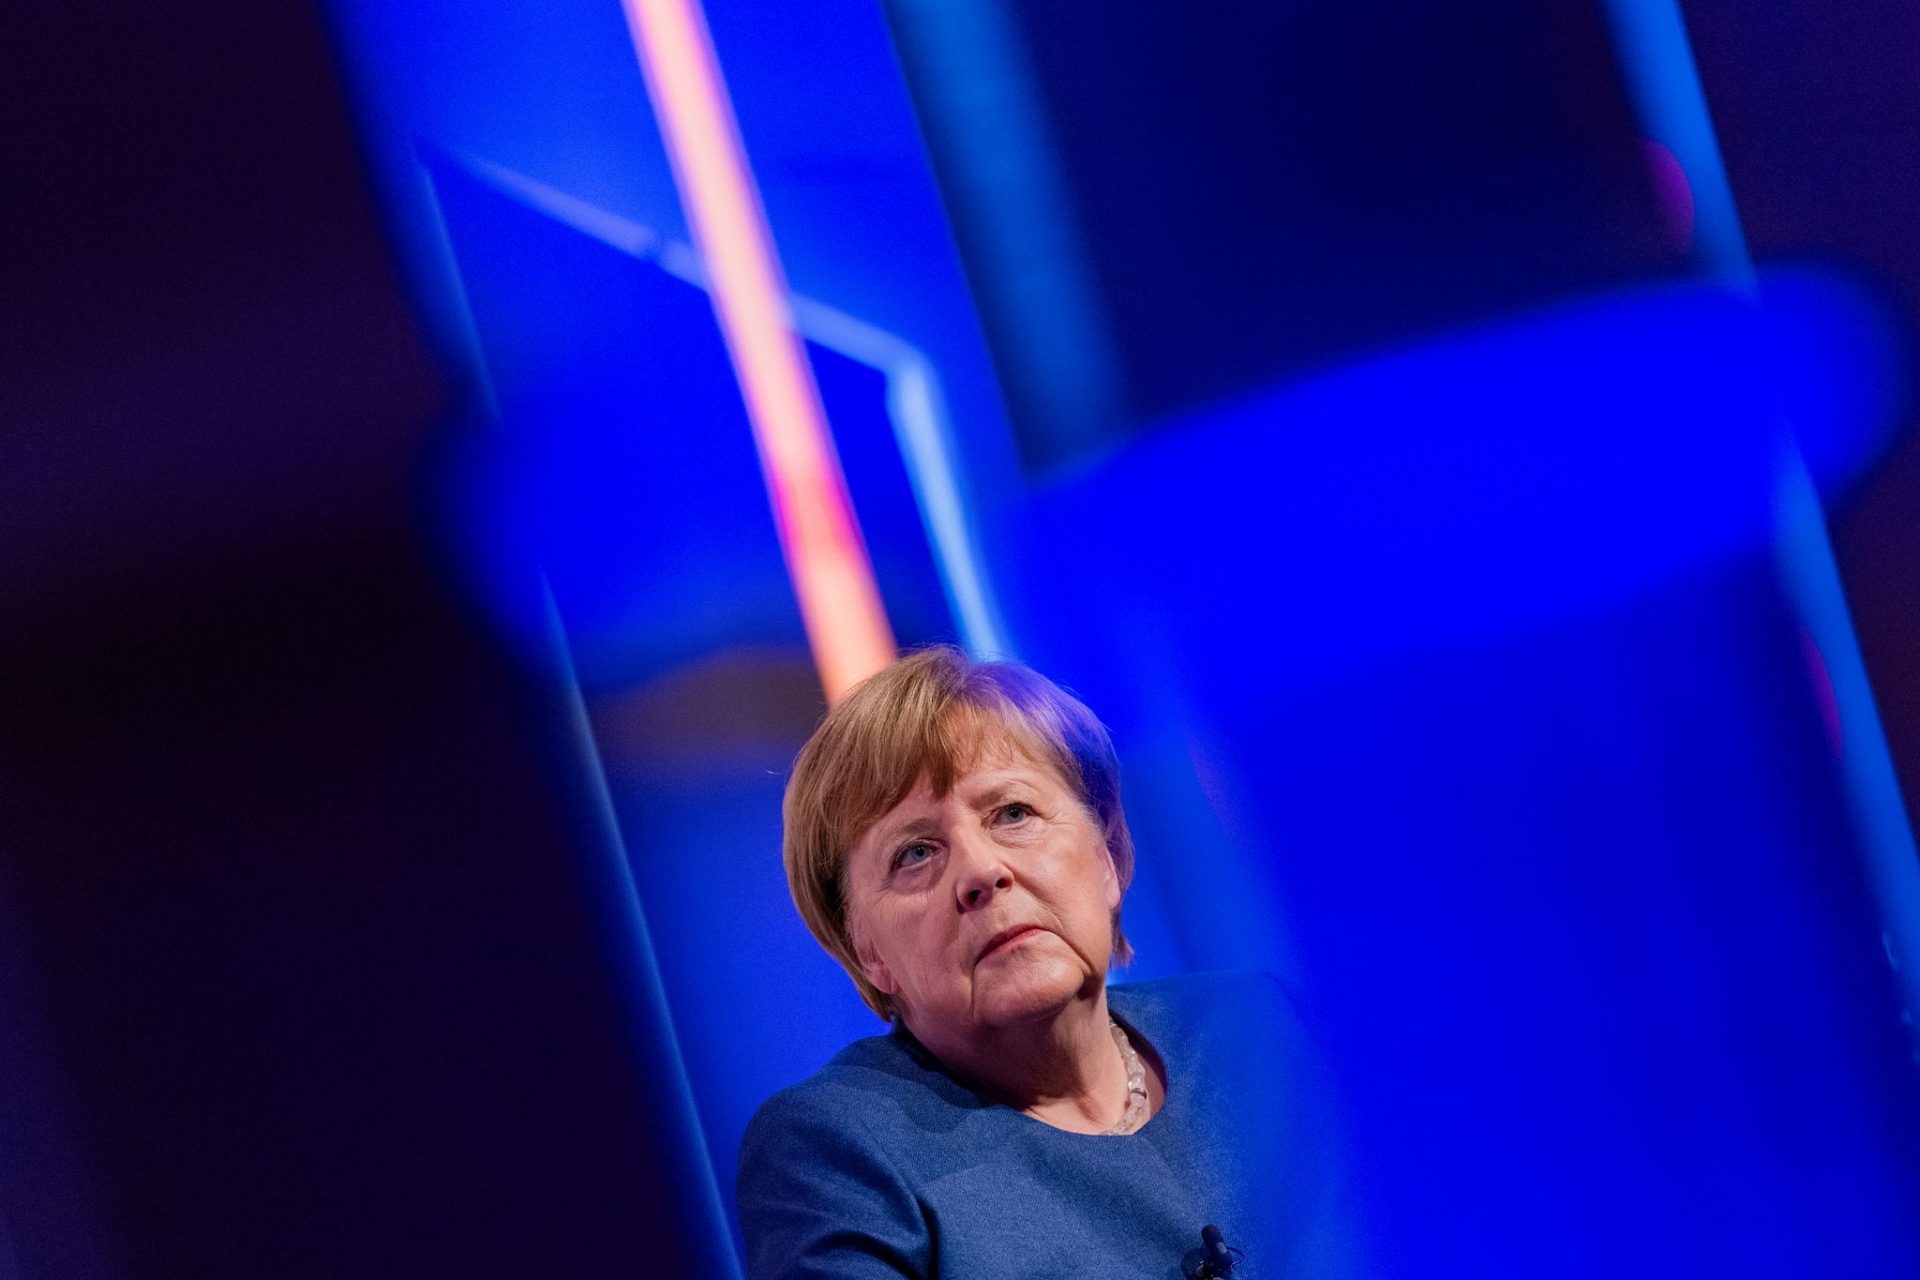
x=1372, y=413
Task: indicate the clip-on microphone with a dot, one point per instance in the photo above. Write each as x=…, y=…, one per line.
x=1212, y=1259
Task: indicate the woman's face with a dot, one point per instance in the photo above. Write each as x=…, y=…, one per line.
x=985, y=908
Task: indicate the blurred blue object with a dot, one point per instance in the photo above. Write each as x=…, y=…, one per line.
x=624, y=466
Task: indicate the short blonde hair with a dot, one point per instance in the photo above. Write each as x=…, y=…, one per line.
x=933, y=714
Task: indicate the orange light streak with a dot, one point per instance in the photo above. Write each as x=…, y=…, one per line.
x=826, y=557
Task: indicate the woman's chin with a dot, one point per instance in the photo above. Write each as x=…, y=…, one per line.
x=1030, y=992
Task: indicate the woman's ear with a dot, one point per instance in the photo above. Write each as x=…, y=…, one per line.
x=1113, y=882
x=874, y=967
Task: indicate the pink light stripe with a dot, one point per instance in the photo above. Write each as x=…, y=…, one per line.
x=826, y=557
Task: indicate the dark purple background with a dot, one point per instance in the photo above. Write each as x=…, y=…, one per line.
x=299, y=970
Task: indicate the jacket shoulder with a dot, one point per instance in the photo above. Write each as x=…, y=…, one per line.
x=1226, y=992
x=819, y=1191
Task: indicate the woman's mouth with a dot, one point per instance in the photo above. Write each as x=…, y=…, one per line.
x=1006, y=939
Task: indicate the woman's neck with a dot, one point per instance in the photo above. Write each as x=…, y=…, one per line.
x=1066, y=1071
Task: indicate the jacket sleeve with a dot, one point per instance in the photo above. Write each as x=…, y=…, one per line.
x=819, y=1196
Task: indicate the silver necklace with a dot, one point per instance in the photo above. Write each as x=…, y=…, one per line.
x=1136, y=1113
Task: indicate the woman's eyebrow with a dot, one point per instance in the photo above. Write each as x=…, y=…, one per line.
x=909, y=828
x=1000, y=792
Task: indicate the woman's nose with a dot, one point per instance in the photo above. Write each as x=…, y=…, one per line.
x=982, y=873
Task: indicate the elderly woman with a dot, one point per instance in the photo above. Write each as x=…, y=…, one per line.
x=954, y=838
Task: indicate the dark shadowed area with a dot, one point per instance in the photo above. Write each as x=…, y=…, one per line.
x=1820, y=125
x=303, y=966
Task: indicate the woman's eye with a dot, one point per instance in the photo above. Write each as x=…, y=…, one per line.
x=912, y=855
x=1015, y=813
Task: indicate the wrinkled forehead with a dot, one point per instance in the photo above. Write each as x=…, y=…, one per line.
x=984, y=737
x=966, y=738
